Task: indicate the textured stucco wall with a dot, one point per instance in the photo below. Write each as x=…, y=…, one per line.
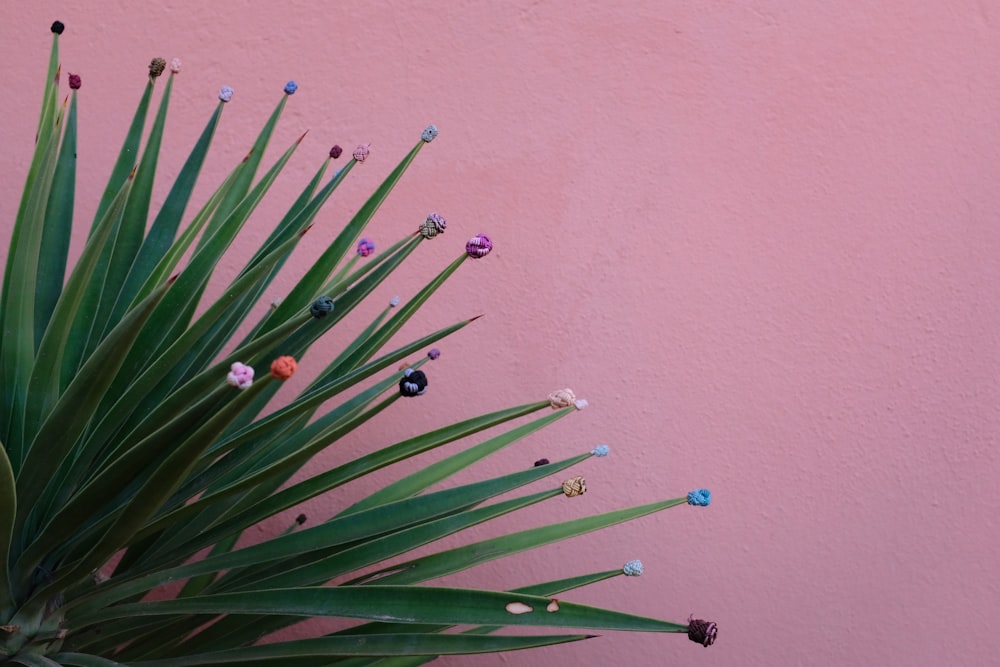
x=761, y=238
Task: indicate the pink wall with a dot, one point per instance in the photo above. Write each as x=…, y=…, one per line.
x=763, y=242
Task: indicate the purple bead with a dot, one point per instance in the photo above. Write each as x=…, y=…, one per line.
x=366, y=247
x=479, y=246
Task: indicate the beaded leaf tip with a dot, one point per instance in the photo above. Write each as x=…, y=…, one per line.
x=576, y=486
x=633, y=568
x=429, y=134
x=699, y=497
x=414, y=383
x=561, y=398
x=479, y=246
x=240, y=375
x=283, y=368
x=321, y=307
x=702, y=632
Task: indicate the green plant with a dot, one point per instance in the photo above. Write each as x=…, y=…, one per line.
x=128, y=450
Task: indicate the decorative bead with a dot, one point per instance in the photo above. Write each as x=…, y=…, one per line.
x=479, y=246
x=433, y=353
x=336, y=151
x=576, y=486
x=561, y=398
x=291, y=87
x=57, y=27
x=432, y=226
x=601, y=451
x=225, y=93
x=580, y=403
x=300, y=519
x=633, y=568
x=156, y=67
x=74, y=81
x=283, y=368
x=361, y=152
x=541, y=462
x=702, y=632
x=240, y=375
x=321, y=306
x=429, y=134
x=175, y=65
x=393, y=302
x=414, y=383
x=366, y=247
x=700, y=497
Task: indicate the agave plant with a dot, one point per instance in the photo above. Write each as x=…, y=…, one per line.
x=139, y=443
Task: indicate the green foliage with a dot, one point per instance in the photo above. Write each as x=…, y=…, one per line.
x=126, y=453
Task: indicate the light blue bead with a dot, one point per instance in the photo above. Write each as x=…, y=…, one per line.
x=633, y=568
x=225, y=93
x=429, y=134
x=700, y=497
x=601, y=451
x=291, y=87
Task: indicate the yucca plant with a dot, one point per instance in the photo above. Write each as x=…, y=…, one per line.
x=139, y=445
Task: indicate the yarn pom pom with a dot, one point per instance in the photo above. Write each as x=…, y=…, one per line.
x=366, y=247
x=700, y=497
x=633, y=568
x=561, y=398
x=283, y=368
x=240, y=376
x=156, y=67
x=479, y=246
x=414, y=383
x=321, y=307
x=429, y=134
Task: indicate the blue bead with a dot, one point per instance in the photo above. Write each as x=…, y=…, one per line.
x=700, y=497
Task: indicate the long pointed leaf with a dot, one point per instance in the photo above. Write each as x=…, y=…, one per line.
x=161, y=235
x=133, y=229
x=58, y=357
x=401, y=604
x=58, y=226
